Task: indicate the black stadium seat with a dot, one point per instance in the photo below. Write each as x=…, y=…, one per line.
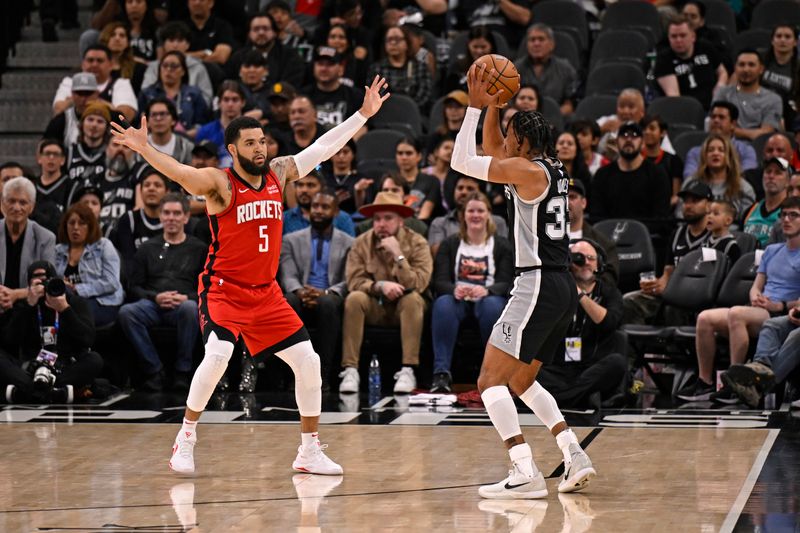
x=634, y=15
x=614, y=46
x=399, y=112
x=596, y=106
x=634, y=249
x=686, y=141
x=611, y=78
x=769, y=13
x=678, y=110
x=564, y=15
x=735, y=289
x=378, y=144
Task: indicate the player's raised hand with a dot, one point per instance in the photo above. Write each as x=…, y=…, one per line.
x=127, y=135
x=478, y=87
x=372, y=97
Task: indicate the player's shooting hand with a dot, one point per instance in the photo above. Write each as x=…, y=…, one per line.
x=372, y=96
x=478, y=86
x=133, y=138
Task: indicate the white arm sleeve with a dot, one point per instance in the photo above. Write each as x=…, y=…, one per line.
x=465, y=156
x=326, y=146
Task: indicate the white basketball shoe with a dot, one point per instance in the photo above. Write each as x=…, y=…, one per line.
x=312, y=460
x=578, y=472
x=516, y=486
x=183, y=452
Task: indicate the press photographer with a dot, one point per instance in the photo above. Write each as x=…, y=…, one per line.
x=590, y=370
x=48, y=340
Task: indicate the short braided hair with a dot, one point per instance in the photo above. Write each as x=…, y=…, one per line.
x=533, y=126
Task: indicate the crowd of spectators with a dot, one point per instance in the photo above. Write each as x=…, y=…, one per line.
x=397, y=241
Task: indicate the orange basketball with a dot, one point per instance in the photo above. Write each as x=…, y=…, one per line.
x=506, y=77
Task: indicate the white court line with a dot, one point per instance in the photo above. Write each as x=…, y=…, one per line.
x=385, y=400
x=114, y=399
x=749, y=483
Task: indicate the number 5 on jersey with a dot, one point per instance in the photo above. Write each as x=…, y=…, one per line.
x=263, y=247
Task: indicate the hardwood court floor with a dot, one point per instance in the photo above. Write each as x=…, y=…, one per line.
x=90, y=477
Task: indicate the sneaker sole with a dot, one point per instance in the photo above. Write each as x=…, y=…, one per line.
x=697, y=398
x=579, y=481
x=306, y=471
x=746, y=392
x=180, y=471
x=748, y=377
x=512, y=495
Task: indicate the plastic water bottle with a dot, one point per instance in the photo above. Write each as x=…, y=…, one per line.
x=374, y=377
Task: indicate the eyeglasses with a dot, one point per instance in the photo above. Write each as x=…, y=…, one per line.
x=159, y=114
x=791, y=215
x=171, y=66
x=52, y=154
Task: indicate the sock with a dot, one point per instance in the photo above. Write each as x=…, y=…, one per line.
x=522, y=456
x=189, y=427
x=542, y=404
x=309, y=439
x=502, y=412
x=564, y=439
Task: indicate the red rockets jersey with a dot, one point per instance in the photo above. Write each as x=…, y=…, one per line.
x=246, y=237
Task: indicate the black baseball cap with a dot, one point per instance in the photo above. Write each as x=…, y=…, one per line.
x=577, y=186
x=327, y=53
x=282, y=90
x=782, y=163
x=697, y=189
x=207, y=147
x=87, y=188
x=630, y=127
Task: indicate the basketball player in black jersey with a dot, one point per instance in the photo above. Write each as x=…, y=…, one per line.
x=543, y=299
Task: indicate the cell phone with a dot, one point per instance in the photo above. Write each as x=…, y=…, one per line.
x=47, y=357
x=408, y=291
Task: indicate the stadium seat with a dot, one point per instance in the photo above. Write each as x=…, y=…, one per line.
x=720, y=13
x=399, y=110
x=552, y=112
x=769, y=13
x=375, y=168
x=757, y=38
x=678, y=109
x=735, y=290
x=595, y=106
x=615, y=46
x=378, y=144
x=686, y=141
x=611, y=78
x=747, y=243
x=640, y=16
x=634, y=249
x=564, y=15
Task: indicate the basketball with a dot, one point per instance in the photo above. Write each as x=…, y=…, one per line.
x=507, y=77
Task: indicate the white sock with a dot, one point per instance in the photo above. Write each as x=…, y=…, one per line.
x=542, y=404
x=564, y=439
x=309, y=439
x=189, y=427
x=522, y=456
x=502, y=411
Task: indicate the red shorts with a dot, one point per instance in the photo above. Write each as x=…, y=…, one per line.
x=261, y=315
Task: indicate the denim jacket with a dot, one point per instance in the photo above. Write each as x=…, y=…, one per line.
x=98, y=269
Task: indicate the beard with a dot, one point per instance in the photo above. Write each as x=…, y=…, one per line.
x=251, y=168
x=119, y=165
x=321, y=224
x=691, y=219
x=629, y=156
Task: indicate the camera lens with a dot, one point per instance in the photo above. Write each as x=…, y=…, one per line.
x=55, y=287
x=578, y=259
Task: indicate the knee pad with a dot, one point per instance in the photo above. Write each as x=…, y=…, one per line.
x=305, y=364
x=210, y=371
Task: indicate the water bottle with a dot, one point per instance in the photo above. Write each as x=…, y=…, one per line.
x=374, y=378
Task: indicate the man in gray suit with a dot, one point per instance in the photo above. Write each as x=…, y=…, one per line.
x=312, y=275
x=22, y=241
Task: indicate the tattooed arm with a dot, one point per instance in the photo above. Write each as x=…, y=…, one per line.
x=298, y=166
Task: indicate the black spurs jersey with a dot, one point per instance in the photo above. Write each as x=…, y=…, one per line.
x=86, y=164
x=119, y=196
x=539, y=229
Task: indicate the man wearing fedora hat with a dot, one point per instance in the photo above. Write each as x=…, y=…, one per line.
x=388, y=268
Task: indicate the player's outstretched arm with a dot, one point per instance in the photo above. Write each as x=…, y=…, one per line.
x=293, y=167
x=479, y=98
x=197, y=181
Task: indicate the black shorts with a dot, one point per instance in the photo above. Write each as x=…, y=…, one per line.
x=536, y=317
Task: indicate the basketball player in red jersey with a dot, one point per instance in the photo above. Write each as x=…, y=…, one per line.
x=238, y=294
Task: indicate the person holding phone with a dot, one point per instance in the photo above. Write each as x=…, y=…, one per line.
x=388, y=269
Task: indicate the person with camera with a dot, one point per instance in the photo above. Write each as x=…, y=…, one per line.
x=587, y=369
x=48, y=337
